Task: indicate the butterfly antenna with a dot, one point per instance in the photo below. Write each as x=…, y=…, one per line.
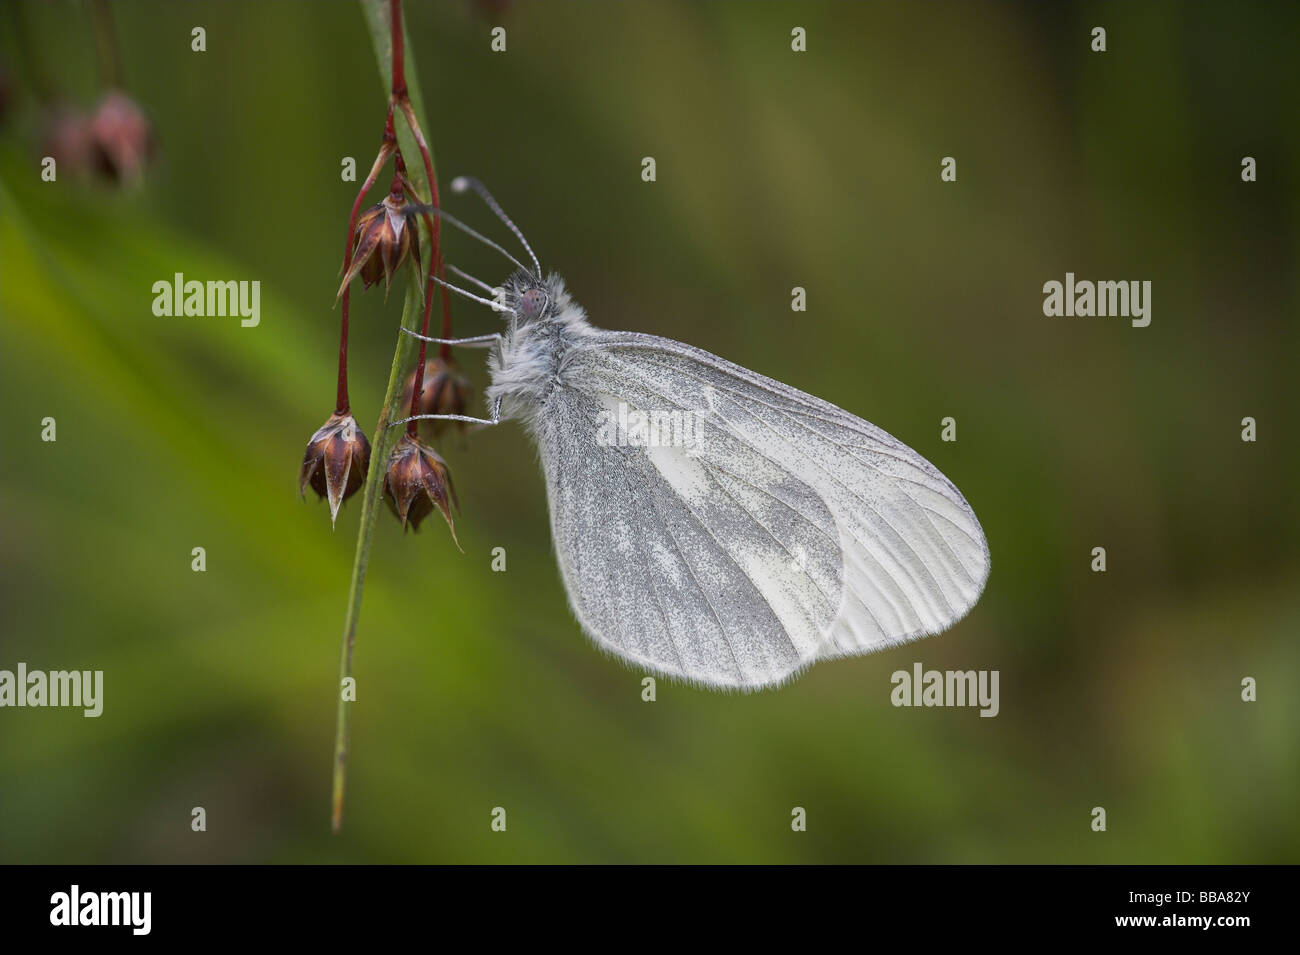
x=419, y=210
x=461, y=183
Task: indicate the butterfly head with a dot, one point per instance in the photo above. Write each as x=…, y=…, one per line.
x=533, y=299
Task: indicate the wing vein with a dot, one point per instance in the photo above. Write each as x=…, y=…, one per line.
x=691, y=570
x=649, y=569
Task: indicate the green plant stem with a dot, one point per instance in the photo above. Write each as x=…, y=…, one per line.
x=371, y=505
x=380, y=26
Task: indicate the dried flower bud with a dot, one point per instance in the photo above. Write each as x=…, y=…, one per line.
x=446, y=391
x=384, y=240
x=417, y=481
x=336, y=461
x=121, y=139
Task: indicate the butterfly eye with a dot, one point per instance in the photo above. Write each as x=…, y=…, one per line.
x=531, y=303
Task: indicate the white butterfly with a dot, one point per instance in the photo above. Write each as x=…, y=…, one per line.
x=771, y=530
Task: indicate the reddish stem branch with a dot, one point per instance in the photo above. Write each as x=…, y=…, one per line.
x=399, y=50
x=342, y=404
x=386, y=149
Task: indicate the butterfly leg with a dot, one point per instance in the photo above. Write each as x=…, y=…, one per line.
x=478, y=341
x=495, y=419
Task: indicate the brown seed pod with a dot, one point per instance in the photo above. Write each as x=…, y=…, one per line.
x=336, y=461
x=417, y=481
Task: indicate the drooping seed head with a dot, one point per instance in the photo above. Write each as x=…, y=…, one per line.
x=417, y=481
x=385, y=239
x=336, y=461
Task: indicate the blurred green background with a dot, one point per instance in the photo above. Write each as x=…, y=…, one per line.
x=477, y=689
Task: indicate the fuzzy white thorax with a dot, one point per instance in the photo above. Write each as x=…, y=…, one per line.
x=530, y=359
